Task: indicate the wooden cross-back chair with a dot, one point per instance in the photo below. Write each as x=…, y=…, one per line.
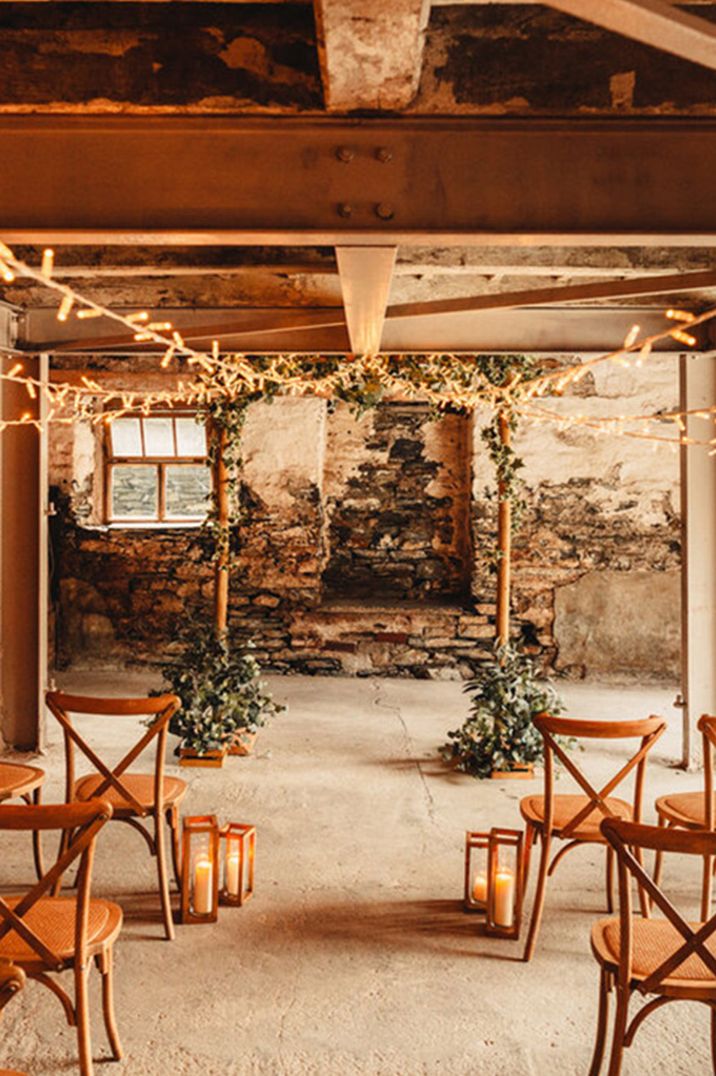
x=43, y=934
x=134, y=796
x=576, y=818
x=663, y=959
x=693, y=810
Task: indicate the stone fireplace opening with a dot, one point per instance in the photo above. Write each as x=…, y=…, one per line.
x=396, y=491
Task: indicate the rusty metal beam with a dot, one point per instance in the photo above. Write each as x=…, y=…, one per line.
x=114, y=179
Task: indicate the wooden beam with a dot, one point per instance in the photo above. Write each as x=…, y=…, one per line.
x=370, y=52
x=671, y=284
x=652, y=22
x=366, y=274
x=458, y=181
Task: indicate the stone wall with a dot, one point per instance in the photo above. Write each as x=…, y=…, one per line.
x=366, y=543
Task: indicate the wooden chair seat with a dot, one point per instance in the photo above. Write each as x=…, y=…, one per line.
x=654, y=941
x=54, y=920
x=687, y=809
x=140, y=785
x=17, y=779
x=566, y=807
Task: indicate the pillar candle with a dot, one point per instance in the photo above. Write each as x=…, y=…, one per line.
x=232, y=873
x=503, y=899
x=479, y=889
x=203, y=886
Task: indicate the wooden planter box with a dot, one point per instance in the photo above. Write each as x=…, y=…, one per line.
x=523, y=772
x=189, y=757
x=242, y=744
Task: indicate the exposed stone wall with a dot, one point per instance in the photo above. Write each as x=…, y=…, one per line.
x=365, y=544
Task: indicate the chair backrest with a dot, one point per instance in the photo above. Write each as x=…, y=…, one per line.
x=707, y=728
x=628, y=838
x=647, y=731
x=83, y=821
x=161, y=707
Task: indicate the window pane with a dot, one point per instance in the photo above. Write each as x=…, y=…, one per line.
x=134, y=492
x=158, y=437
x=191, y=437
x=187, y=491
x=126, y=437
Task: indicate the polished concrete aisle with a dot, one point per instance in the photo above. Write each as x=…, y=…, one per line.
x=354, y=958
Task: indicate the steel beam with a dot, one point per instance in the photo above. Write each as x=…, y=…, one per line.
x=538, y=330
x=286, y=181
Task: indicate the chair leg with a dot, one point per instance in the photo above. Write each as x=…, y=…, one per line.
x=173, y=823
x=162, y=875
x=530, y=838
x=620, y=1023
x=539, y=897
x=713, y=1038
x=706, y=889
x=602, y=1020
x=103, y=961
x=83, y=1026
x=610, y=878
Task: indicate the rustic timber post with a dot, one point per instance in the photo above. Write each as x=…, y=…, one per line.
x=221, y=567
x=504, y=542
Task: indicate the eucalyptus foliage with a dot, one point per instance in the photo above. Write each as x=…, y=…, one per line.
x=220, y=691
x=506, y=693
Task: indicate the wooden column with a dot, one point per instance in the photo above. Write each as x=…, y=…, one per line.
x=504, y=545
x=23, y=569
x=221, y=568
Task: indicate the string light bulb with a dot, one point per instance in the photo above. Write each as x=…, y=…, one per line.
x=65, y=307
x=48, y=262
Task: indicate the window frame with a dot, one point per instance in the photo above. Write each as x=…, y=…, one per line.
x=160, y=463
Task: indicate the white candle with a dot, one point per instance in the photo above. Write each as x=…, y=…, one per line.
x=203, y=886
x=479, y=889
x=232, y=873
x=503, y=901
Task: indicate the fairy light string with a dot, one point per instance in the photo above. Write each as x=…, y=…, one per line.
x=443, y=380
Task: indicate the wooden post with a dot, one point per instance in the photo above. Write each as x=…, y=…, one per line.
x=504, y=544
x=221, y=568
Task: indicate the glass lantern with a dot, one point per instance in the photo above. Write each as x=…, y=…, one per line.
x=476, y=864
x=200, y=869
x=504, y=883
x=238, y=847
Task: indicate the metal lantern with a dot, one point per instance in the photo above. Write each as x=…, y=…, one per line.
x=504, y=883
x=476, y=863
x=200, y=869
x=238, y=846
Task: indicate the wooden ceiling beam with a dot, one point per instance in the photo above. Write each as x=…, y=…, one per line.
x=652, y=22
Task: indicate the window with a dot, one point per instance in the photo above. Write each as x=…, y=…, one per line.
x=157, y=469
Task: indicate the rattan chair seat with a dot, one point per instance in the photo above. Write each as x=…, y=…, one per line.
x=16, y=778
x=684, y=808
x=53, y=919
x=141, y=786
x=654, y=940
x=566, y=807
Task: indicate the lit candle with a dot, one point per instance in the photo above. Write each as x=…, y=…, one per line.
x=479, y=889
x=232, y=873
x=203, y=879
x=503, y=902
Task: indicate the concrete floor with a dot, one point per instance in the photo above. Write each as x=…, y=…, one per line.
x=354, y=956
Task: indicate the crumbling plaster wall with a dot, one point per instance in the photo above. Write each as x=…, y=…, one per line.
x=596, y=556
